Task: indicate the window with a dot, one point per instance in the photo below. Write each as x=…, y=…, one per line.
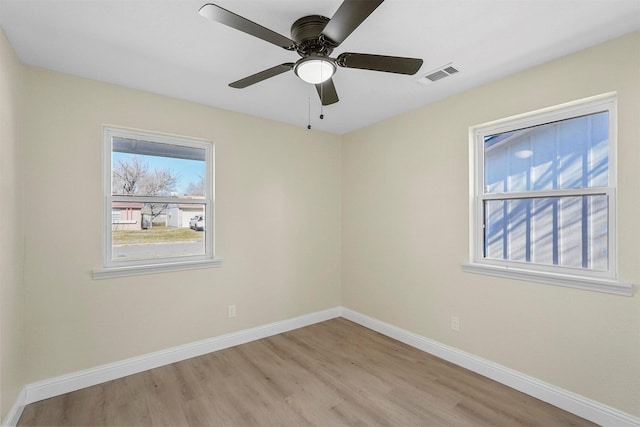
x=158, y=211
x=544, y=196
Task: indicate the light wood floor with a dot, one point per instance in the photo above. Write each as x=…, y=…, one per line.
x=334, y=373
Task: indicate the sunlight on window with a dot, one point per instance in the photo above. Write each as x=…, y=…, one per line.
x=566, y=230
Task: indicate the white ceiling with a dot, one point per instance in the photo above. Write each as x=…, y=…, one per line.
x=166, y=47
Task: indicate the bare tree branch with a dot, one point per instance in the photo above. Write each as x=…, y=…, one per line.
x=159, y=182
x=196, y=188
x=133, y=176
x=127, y=175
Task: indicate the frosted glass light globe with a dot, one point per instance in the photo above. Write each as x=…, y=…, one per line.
x=315, y=70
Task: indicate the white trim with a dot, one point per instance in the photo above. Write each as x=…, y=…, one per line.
x=138, y=270
x=100, y=374
x=109, y=264
x=602, y=281
x=563, y=399
x=607, y=285
x=12, y=418
x=540, y=194
x=556, y=396
x=557, y=112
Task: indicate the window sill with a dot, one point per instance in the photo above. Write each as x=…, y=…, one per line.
x=611, y=286
x=138, y=270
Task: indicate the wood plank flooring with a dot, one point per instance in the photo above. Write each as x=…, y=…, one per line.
x=334, y=373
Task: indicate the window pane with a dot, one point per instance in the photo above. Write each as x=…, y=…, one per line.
x=147, y=231
x=146, y=168
x=564, y=231
x=572, y=153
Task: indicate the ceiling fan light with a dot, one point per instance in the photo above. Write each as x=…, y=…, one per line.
x=315, y=70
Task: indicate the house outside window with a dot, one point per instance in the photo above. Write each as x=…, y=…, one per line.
x=544, y=196
x=154, y=187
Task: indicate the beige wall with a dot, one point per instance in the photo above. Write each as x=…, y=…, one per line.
x=405, y=234
x=11, y=291
x=277, y=223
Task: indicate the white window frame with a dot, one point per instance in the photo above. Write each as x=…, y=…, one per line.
x=155, y=265
x=604, y=281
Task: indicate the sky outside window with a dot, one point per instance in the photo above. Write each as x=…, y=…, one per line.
x=186, y=164
x=187, y=171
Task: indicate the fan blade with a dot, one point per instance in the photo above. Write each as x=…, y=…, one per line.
x=327, y=92
x=388, y=64
x=262, y=75
x=230, y=19
x=349, y=15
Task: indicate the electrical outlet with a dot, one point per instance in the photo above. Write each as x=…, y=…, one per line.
x=455, y=323
x=231, y=310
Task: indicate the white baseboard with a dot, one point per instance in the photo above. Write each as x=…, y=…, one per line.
x=89, y=377
x=12, y=418
x=556, y=396
x=571, y=402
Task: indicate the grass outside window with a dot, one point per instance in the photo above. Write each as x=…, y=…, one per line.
x=156, y=234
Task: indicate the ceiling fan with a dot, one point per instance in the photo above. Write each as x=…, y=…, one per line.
x=314, y=37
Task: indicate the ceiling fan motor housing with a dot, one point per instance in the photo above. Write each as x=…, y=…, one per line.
x=306, y=32
x=314, y=37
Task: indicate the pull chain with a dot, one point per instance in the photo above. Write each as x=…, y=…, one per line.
x=321, y=94
x=309, y=111
x=321, y=101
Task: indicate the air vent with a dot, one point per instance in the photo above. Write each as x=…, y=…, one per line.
x=450, y=70
x=438, y=74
